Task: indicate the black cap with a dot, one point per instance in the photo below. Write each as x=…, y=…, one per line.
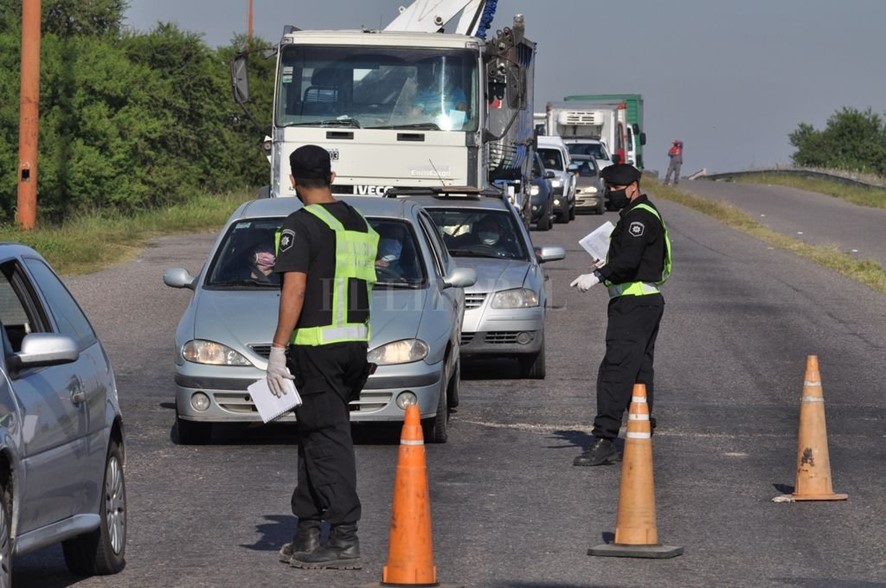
x=310, y=162
x=620, y=174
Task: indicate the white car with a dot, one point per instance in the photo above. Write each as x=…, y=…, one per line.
x=555, y=158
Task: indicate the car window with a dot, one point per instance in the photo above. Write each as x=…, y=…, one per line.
x=245, y=258
x=477, y=232
x=67, y=313
x=552, y=159
x=398, y=261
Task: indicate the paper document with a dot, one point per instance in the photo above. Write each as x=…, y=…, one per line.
x=269, y=406
x=596, y=243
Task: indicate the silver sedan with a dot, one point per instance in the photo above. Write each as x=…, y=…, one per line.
x=223, y=339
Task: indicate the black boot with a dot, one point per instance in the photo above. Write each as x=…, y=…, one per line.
x=600, y=452
x=341, y=552
x=306, y=540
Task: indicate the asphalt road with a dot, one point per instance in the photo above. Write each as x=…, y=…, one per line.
x=811, y=217
x=509, y=509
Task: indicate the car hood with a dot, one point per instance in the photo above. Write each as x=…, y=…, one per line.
x=240, y=318
x=494, y=275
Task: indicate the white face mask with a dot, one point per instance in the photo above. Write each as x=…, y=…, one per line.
x=488, y=238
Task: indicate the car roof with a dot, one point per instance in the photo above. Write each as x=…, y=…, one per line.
x=367, y=205
x=485, y=202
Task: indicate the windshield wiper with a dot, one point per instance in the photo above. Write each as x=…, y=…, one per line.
x=425, y=126
x=332, y=122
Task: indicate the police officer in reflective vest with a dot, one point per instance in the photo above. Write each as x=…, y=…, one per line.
x=637, y=265
x=326, y=257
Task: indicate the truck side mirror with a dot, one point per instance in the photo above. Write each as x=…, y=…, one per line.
x=642, y=138
x=239, y=81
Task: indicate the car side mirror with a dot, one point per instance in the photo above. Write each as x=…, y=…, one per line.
x=44, y=349
x=549, y=174
x=550, y=253
x=461, y=277
x=179, y=277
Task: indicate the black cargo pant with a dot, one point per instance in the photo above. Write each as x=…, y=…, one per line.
x=630, y=349
x=327, y=378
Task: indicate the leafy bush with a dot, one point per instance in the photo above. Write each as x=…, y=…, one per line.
x=852, y=140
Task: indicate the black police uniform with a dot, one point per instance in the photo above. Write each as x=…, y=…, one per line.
x=636, y=254
x=329, y=376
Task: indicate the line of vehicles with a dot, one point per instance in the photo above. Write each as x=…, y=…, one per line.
x=439, y=130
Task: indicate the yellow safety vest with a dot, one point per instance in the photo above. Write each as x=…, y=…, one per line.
x=354, y=258
x=645, y=288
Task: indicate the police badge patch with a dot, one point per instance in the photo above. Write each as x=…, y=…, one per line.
x=636, y=229
x=287, y=237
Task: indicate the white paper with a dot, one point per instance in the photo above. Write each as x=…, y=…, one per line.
x=596, y=243
x=269, y=406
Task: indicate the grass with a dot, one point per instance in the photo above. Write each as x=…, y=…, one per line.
x=865, y=271
x=88, y=243
x=873, y=198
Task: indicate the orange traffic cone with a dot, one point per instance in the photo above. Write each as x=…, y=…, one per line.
x=636, y=534
x=813, y=464
x=410, y=548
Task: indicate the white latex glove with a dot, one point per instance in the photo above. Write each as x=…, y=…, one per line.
x=585, y=282
x=277, y=371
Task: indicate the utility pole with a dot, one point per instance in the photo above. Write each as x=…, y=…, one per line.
x=29, y=113
x=249, y=21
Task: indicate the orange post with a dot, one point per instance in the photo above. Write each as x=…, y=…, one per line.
x=29, y=110
x=813, y=480
x=636, y=534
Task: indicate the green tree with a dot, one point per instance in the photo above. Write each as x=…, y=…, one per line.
x=852, y=140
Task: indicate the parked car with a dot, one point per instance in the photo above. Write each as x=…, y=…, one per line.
x=595, y=147
x=505, y=308
x=590, y=191
x=555, y=158
x=223, y=339
x=542, y=195
x=61, y=429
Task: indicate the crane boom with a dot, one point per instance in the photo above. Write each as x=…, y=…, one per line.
x=430, y=16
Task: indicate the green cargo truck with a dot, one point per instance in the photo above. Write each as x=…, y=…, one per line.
x=634, y=111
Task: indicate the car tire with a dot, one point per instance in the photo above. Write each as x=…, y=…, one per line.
x=454, y=385
x=561, y=217
x=192, y=432
x=601, y=208
x=436, y=428
x=544, y=221
x=103, y=551
x=5, y=540
x=533, y=366
x=572, y=211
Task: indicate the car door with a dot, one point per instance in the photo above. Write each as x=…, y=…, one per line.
x=51, y=484
x=453, y=299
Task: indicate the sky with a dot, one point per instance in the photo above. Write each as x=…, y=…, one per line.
x=730, y=78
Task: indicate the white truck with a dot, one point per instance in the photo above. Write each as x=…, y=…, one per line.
x=580, y=125
x=406, y=106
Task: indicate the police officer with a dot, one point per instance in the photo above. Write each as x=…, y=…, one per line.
x=637, y=265
x=326, y=257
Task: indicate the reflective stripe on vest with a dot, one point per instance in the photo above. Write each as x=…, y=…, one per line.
x=645, y=288
x=354, y=258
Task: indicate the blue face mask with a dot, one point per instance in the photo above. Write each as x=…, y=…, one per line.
x=487, y=237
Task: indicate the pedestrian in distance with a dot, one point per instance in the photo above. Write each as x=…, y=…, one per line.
x=675, y=155
x=326, y=257
x=637, y=265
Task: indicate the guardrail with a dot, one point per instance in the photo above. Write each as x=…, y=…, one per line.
x=808, y=173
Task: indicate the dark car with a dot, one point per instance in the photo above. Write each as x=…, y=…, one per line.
x=542, y=195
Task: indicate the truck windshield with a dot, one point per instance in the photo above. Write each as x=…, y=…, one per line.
x=378, y=88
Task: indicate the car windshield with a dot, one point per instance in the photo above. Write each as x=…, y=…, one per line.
x=595, y=149
x=552, y=159
x=475, y=232
x=587, y=168
x=245, y=259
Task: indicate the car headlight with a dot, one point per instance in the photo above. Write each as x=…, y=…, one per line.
x=590, y=190
x=556, y=183
x=212, y=353
x=516, y=298
x=533, y=190
x=404, y=351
